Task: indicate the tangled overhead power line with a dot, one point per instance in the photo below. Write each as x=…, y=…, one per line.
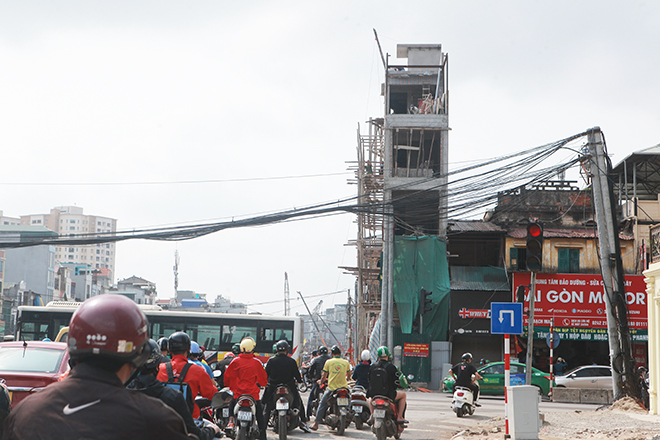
x=469, y=189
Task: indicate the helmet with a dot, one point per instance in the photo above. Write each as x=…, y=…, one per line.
x=154, y=358
x=467, y=357
x=236, y=348
x=123, y=338
x=282, y=346
x=47, y=340
x=275, y=348
x=178, y=342
x=335, y=350
x=195, y=348
x=229, y=355
x=162, y=344
x=315, y=353
x=323, y=349
x=383, y=352
x=365, y=355
x=248, y=345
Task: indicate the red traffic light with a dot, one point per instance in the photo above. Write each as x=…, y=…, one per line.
x=534, y=230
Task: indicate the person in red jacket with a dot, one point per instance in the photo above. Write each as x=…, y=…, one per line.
x=197, y=379
x=245, y=375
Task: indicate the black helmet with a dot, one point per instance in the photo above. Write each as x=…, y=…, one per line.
x=335, y=350
x=467, y=357
x=315, y=353
x=162, y=344
x=179, y=342
x=154, y=358
x=236, y=348
x=282, y=346
x=323, y=349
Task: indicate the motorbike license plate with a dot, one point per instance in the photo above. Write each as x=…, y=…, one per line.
x=282, y=405
x=225, y=412
x=379, y=413
x=357, y=409
x=342, y=401
x=245, y=416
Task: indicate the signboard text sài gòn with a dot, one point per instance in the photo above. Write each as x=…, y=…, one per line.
x=575, y=303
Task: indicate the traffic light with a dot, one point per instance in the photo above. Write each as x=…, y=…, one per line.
x=425, y=302
x=534, y=258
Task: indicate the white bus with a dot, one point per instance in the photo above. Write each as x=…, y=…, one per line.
x=217, y=332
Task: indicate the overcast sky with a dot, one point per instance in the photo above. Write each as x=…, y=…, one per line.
x=245, y=93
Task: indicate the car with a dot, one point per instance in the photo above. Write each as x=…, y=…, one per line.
x=492, y=381
x=587, y=376
x=29, y=366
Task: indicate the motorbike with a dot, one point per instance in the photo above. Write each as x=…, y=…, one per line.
x=338, y=416
x=306, y=381
x=284, y=418
x=384, y=419
x=314, y=406
x=246, y=418
x=360, y=409
x=462, y=403
x=220, y=405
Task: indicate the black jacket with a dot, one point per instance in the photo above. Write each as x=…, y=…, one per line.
x=92, y=403
x=316, y=366
x=149, y=385
x=282, y=369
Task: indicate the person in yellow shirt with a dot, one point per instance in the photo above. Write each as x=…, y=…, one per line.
x=337, y=371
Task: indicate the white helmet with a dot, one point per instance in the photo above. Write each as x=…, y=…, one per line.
x=366, y=355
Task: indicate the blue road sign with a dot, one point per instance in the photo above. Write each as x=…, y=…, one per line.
x=506, y=318
x=555, y=339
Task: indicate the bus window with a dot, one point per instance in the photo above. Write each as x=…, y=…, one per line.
x=234, y=333
x=34, y=331
x=160, y=330
x=206, y=335
x=276, y=334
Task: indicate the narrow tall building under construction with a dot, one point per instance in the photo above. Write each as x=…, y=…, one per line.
x=401, y=174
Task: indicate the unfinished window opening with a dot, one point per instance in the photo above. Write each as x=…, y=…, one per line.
x=415, y=94
x=416, y=213
x=416, y=152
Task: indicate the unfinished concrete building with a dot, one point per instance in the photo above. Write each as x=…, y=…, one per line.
x=401, y=173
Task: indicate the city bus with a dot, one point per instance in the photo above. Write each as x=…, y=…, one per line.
x=217, y=332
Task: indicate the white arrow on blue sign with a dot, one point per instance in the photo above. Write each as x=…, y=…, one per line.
x=506, y=318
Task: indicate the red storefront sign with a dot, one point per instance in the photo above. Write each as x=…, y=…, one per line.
x=415, y=350
x=576, y=303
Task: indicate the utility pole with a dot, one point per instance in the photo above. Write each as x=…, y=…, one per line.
x=621, y=358
x=287, y=299
x=176, y=273
x=349, y=323
x=530, y=331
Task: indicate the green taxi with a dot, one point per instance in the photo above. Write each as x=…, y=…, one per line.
x=492, y=381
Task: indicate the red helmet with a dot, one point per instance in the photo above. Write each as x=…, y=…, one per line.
x=110, y=326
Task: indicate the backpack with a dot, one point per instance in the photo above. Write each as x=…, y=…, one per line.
x=378, y=384
x=177, y=383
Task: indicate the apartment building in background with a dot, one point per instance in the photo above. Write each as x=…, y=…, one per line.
x=71, y=220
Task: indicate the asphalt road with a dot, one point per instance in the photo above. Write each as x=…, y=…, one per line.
x=431, y=417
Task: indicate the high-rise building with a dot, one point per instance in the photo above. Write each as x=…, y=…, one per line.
x=70, y=220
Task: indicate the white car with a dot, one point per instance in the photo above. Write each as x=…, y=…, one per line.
x=588, y=376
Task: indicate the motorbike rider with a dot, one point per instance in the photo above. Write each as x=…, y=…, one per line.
x=244, y=375
x=283, y=370
x=147, y=383
x=337, y=371
x=93, y=402
x=197, y=379
x=314, y=372
x=222, y=367
x=462, y=374
x=386, y=386
x=196, y=355
x=361, y=370
x=162, y=347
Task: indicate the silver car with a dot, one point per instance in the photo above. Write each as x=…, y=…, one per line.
x=588, y=376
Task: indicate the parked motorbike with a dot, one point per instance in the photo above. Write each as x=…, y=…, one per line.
x=462, y=403
x=284, y=418
x=246, y=418
x=338, y=416
x=360, y=409
x=221, y=403
x=385, y=416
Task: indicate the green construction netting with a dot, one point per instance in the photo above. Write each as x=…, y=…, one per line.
x=421, y=262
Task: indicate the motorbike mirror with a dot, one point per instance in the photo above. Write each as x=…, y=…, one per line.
x=217, y=373
x=411, y=377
